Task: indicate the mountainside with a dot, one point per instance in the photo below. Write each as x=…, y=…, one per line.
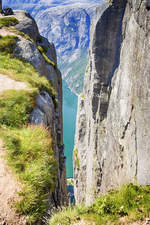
x=112, y=135
x=67, y=25
x=33, y=178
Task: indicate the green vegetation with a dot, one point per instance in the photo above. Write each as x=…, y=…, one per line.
x=29, y=148
x=43, y=50
x=7, y=44
x=87, y=68
x=70, y=181
x=110, y=2
x=82, y=96
x=130, y=203
x=8, y=21
x=15, y=108
x=67, y=216
x=31, y=156
x=75, y=152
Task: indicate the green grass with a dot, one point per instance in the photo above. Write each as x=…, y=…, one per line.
x=87, y=69
x=67, y=216
x=70, y=181
x=75, y=152
x=16, y=107
x=8, y=21
x=7, y=44
x=131, y=202
x=82, y=96
x=30, y=155
x=43, y=50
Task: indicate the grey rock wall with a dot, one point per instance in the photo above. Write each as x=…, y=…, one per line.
x=113, y=120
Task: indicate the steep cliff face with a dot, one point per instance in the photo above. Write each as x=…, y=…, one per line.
x=112, y=135
x=29, y=48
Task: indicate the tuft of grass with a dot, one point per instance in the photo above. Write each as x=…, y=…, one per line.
x=8, y=21
x=15, y=108
x=87, y=69
x=82, y=96
x=7, y=44
x=70, y=181
x=75, y=152
x=43, y=51
x=67, y=216
x=110, y=2
x=131, y=202
x=30, y=155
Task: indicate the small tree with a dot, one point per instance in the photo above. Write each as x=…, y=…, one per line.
x=0, y=6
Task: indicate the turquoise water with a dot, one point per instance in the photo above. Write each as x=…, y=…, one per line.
x=69, y=120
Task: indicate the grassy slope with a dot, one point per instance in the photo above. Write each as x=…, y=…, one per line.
x=30, y=149
x=130, y=203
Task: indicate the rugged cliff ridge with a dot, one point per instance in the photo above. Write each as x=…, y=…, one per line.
x=112, y=135
x=28, y=48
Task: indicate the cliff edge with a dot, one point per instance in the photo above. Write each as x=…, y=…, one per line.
x=112, y=144
x=33, y=178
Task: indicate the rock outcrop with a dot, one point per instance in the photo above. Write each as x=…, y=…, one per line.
x=112, y=144
x=47, y=110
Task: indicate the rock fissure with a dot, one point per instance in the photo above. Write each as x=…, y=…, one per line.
x=136, y=150
x=127, y=124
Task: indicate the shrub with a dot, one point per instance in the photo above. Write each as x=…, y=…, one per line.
x=8, y=21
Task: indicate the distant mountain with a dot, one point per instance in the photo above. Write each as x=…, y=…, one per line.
x=66, y=23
